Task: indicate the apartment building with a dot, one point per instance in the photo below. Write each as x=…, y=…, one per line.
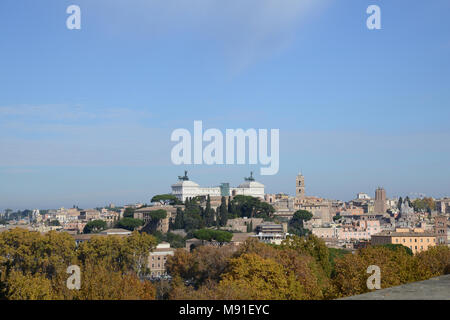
x=416, y=239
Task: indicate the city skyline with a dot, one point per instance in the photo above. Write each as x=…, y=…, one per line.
x=69, y=203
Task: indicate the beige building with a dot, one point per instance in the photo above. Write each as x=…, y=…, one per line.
x=89, y=215
x=163, y=225
x=157, y=259
x=416, y=239
x=242, y=224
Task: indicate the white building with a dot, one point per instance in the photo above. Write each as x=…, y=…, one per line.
x=362, y=196
x=185, y=188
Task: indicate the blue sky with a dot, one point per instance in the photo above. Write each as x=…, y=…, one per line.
x=86, y=115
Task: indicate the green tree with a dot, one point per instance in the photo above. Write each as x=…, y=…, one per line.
x=128, y=213
x=209, y=213
x=210, y=234
x=247, y=206
x=129, y=223
x=166, y=199
x=424, y=205
x=399, y=203
x=54, y=223
x=296, y=224
x=223, y=213
x=192, y=217
x=94, y=226
x=395, y=247
x=179, y=220
x=337, y=217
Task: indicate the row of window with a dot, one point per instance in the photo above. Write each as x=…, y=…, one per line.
x=415, y=240
x=159, y=258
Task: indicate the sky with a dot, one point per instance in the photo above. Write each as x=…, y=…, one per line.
x=86, y=115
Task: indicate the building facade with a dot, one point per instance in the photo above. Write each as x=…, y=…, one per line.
x=158, y=258
x=416, y=239
x=185, y=188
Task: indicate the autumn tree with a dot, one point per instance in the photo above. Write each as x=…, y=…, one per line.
x=202, y=264
x=100, y=281
x=433, y=262
x=305, y=268
x=313, y=246
x=28, y=287
x=253, y=277
x=397, y=267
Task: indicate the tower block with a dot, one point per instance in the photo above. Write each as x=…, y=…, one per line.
x=300, y=186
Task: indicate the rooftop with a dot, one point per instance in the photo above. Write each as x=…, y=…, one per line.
x=403, y=234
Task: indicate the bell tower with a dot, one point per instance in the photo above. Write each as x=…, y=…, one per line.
x=300, y=186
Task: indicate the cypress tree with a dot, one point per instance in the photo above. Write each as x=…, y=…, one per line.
x=223, y=215
x=209, y=213
x=179, y=219
x=399, y=203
